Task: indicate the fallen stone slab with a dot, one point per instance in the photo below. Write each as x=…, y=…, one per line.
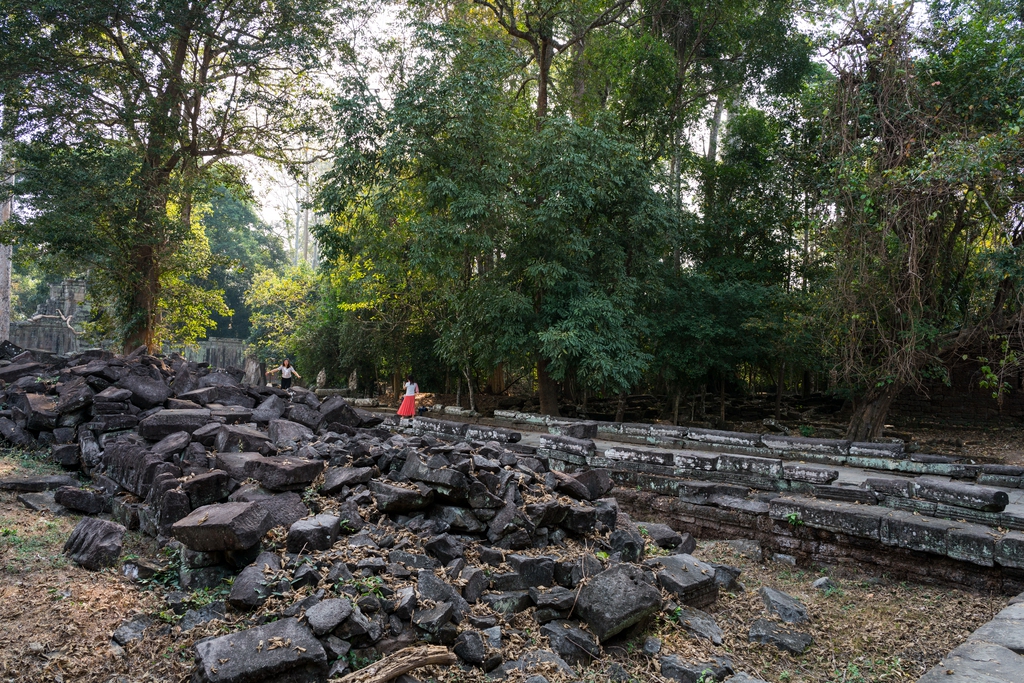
x=691, y=581
x=241, y=439
x=14, y=434
x=770, y=633
x=616, y=599
x=662, y=535
x=398, y=499
x=545, y=660
x=977, y=662
x=337, y=478
x=281, y=431
x=283, y=509
x=315, y=533
x=325, y=616
x=971, y=496
x=146, y=391
x=284, y=473
x=166, y=422
x=272, y=408
x=235, y=463
x=202, y=615
x=132, y=629
x=784, y=606
x=255, y=583
x=16, y=371
x=571, y=643
x=224, y=526
x=86, y=501
x=95, y=543
x=698, y=623
x=723, y=438
x=282, y=651
x=46, y=482
x=42, y=501
x=676, y=668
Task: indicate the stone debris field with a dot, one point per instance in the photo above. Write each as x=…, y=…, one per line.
x=348, y=545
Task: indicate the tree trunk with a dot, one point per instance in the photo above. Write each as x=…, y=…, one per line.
x=547, y=390
x=869, y=412
x=778, y=391
x=5, y=267
x=620, y=410
x=469, y=388
x=544, y=53
x=675, y=410
x=721, y=399
x=396, y=385
x=806, y=384
x=145, y=295
x=716, y=124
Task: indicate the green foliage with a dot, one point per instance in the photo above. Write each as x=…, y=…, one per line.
x=280, y=303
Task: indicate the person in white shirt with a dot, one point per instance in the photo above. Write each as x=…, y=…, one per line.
x=287, y=372
x=408, y=407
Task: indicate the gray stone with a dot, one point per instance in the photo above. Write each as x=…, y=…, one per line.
x=337, y=478
x=95, y=543
x=325, y=616
x=255, y=583
x=698, y=623
x=42, y=502
x=315, y=533
x=784, y=606
x=741, y=677
x=284, y=473
x=690, y=580
x=824, y=584
x=652, y=646
x=207, y=488
x=533, y=660
x=597, y=482
x=337, y=409
x=984, y=498
x=662, y=535
x=572, y=643
x=431, y=620
x=469, y=646
x=172, y=444
x=202, y=615
x=132, y=629
x=508, y=602
x=977, y=662
x=678, y=669
x=615, y=600
x=272, y=408
x=432, y=588
x=248, y=656
x=166, y=422
x=397, y=499
x=628, y=542
x=225, y=526
x=764, y=631
x=86, y=501
x=45, y=482
x=283, y=509
x=304, y=415
x=233, y=438
x=285, y=430
x=146, y=391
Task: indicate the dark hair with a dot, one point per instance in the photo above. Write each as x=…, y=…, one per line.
x=287, y=363
x=409, y=378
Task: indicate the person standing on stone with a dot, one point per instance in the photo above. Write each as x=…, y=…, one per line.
x=287, y=371
x=408, y=407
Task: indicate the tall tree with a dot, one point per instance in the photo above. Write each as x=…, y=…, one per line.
x=926, y=180
x=153, y=96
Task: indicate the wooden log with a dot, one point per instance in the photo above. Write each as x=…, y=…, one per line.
x=402, y=662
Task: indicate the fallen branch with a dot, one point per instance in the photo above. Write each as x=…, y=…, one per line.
x=400, y=663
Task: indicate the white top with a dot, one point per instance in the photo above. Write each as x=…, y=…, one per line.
x=411, y=388
x=286, y=372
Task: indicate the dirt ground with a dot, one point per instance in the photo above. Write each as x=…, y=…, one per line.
x=56, y=618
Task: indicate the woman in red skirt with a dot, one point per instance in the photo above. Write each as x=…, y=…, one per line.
x=408, y=407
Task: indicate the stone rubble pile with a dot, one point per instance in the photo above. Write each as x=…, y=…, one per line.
x=384, y=540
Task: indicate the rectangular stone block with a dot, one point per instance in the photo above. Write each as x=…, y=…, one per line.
x=578, y=447
x=809, y=473
x=723, y=438
x=750, y=464
x=907, y=530
x=973, y=543
x=625, y=453
x=877, y=450
x=962, y=495
x=888, y=486
x=442, y=427
x=669, y=432
x=855, y=520
x=802, y=444
x=485, y=433
x=1010, y=550
x=694, y=460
